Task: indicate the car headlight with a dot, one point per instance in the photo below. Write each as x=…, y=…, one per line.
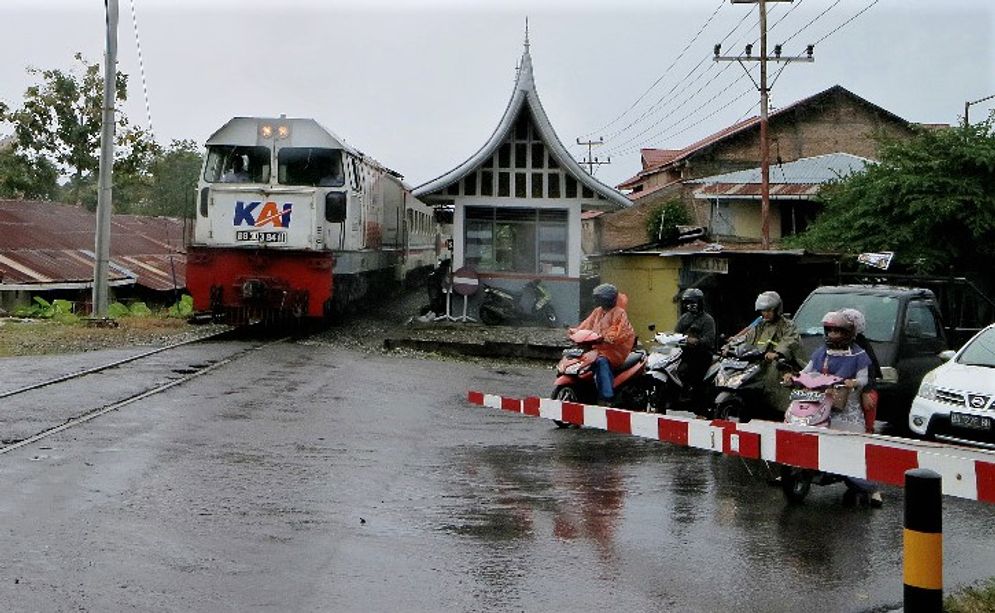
x=927, y=391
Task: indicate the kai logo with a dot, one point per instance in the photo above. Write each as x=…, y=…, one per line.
x=268, y=215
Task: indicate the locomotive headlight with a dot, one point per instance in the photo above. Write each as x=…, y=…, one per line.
x=266, y=131
x=283, y=132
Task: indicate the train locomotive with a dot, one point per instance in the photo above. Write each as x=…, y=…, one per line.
x=293, y=223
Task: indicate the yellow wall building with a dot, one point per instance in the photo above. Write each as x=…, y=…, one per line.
x=651, y=283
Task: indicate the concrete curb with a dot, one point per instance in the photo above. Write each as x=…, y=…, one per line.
x=488, y=349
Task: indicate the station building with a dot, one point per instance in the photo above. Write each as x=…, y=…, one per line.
x=517, y=203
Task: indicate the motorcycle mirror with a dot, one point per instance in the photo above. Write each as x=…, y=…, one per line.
x=652, y=327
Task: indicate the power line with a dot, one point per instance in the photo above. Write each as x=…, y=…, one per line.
x=813, y=20
x=665, y=72
x=845, y=23
x=666, y=97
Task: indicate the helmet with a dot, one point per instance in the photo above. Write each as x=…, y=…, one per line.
x=839, y=330
x=857, y=319
x=605, y=295
x=692, y=300
x=769, y=301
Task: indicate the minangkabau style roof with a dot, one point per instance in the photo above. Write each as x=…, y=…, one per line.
x=524, y=95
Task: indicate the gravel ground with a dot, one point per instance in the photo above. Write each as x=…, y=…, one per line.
x=366, y=331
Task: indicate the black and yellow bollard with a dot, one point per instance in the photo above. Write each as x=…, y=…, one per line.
x=923, y=541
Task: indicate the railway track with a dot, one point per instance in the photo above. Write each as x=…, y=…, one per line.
x=73, y=385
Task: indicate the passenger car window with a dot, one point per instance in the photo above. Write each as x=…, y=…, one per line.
x=920, y=322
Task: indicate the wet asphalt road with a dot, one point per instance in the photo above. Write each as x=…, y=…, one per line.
x=310, y=478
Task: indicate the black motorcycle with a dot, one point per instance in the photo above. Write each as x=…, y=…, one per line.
x=532, y=304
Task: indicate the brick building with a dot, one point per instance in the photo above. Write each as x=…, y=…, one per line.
x=832, y=121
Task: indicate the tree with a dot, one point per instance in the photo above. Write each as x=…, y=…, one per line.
x=60, y=121
x=931, y=200
x=174, y=181
x=21, y=178
x=661, y=225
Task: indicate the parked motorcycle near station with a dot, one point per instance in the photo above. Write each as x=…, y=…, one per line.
x=575, y=375
x=813, y=397
x=532, y=305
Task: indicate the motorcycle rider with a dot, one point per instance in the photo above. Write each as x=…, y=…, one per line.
x=842, y=357
x=610, y=321
x=777, y=335
x=869, y=395
x=699, y=347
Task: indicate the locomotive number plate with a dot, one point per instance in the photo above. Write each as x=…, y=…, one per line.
x=258, y=236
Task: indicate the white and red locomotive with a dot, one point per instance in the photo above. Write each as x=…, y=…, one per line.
x=292, y=222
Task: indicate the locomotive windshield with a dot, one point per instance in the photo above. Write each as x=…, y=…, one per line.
x=232, y=164
x=310, y=166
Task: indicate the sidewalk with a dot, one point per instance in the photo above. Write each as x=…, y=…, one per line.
x=474, y=339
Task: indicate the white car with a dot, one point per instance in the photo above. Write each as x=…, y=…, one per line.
x=956, y=400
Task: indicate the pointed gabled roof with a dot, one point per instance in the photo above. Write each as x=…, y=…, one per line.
x=524, y=96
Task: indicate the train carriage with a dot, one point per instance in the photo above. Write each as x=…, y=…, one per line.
x=292, y=222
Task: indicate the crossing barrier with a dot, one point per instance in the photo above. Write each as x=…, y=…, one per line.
x=965, y=472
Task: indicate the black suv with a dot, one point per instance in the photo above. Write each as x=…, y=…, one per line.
x=904, y=327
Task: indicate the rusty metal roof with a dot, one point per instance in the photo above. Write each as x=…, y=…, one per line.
x=800, y=180
x=47, y=245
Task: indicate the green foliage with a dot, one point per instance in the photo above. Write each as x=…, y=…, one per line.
x=931, y=200
x=117, y=310
x=183, y=308
x=972, y=599
x=661, y=225
x=60, y=121
x=58, y=310
x=173, y=185
x=20, y=178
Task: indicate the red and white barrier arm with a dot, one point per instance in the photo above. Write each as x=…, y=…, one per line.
x=966, y=472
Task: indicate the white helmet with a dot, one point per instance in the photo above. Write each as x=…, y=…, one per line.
x=856, y=318
x=768, y=301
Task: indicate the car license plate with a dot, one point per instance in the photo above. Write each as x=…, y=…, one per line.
x=974, y=422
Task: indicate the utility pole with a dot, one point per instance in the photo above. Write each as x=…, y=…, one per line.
x=591, y=161
x=102, y=248
x=764, y=88
x=967, y=107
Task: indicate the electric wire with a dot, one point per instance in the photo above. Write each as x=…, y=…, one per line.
x=845, y=23
x=655, y=107
x=813, y=20
x=665, y=72
x=622, y=147
x=141, y=68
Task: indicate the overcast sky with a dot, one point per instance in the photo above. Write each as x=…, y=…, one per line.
x=421, y=84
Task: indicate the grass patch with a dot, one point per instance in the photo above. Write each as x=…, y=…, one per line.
x=978, y=598
x=24, y=337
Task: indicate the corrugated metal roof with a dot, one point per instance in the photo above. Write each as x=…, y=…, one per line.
x=799, y=180
x=814, y=170
x=50, y=245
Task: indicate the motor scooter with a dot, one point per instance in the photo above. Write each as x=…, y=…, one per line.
x=575, y=375
x=665, y=387
x=532, y=304
x=813, y=398
x=738, y=381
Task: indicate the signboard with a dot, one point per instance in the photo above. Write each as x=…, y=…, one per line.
x=880, y=260
x=465, y=282
x=709, y=264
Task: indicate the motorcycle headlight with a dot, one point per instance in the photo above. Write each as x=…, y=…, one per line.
x=573, y=369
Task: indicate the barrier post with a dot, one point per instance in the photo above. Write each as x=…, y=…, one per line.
x=923, y=541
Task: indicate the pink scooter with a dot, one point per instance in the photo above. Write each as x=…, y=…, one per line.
x=813, y=397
